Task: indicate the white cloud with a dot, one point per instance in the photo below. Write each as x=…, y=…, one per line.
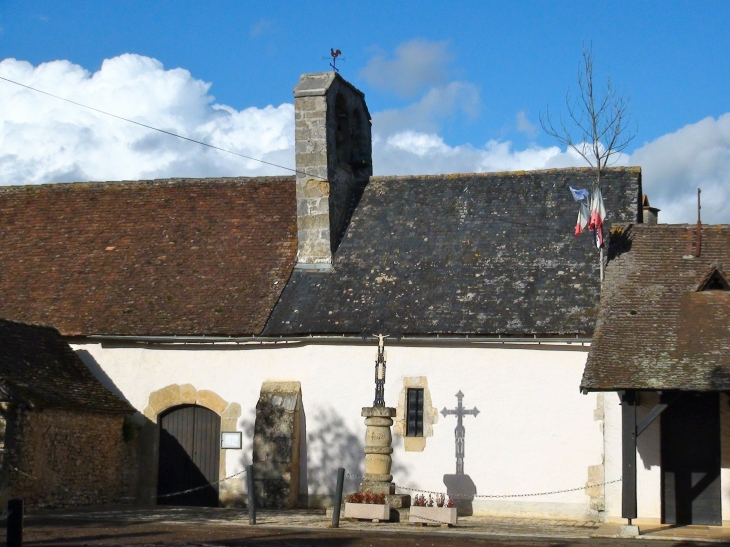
x=524, y=125
x=261, y=27
x=414, y=152
x=676, y=164
x=46, y=140
x=43, y=139
x=416, y=66
x=438, y=104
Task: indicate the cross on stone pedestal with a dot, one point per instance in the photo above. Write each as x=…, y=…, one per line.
x=460, y=432
x=380, y=371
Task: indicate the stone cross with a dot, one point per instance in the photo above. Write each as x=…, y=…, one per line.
x=460, y=432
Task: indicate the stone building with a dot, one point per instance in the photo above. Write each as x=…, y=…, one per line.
x=65, y=440
x=662, y=350
x=247, y=307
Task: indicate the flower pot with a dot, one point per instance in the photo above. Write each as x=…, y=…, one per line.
x=433, y=515
x=368, y=511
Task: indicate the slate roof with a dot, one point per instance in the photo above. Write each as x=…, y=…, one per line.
x=38, y=367
x=488, y=254
x=655, y=329
x=176, y=256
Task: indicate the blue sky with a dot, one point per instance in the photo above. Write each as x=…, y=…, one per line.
x=450, y=77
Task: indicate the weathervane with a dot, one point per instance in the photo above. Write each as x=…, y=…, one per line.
x=334, y=55
x=380, y=371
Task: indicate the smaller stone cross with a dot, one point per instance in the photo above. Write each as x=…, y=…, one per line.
x=460, y=432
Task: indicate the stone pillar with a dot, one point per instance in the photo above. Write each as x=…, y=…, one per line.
x=333, y=152
x=378, y=460
x=276, y=443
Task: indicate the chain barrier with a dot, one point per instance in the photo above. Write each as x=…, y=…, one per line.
x=201, y=487
x=31, y=477
x=20, y=472
x=494, y=496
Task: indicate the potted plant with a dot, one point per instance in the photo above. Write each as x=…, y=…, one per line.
x=366, y=505
x=424, y=511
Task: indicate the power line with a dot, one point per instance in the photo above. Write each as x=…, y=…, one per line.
x=161, y=130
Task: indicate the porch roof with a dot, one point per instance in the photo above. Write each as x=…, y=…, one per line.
x=657, y=329
x=38, y=367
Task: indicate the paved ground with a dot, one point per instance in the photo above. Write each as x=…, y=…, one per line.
x=229, y=527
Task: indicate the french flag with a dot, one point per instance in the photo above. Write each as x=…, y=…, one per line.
x=581, y=196
x=597, y=214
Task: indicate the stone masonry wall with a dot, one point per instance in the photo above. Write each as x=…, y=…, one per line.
x=65, y=458
x=276, y=445
x=334, y=161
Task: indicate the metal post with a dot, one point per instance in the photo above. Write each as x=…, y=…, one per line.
x=600, y=258
x=338, y=497
x=15, y=522
x=251, y=495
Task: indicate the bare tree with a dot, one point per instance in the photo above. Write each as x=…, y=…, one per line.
x=600, y=123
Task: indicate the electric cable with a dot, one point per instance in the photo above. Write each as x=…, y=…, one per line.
x=161, y=130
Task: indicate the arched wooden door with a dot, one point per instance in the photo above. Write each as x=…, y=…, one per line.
x=189, y=456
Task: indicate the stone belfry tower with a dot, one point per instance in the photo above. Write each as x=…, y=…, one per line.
x=333, y=160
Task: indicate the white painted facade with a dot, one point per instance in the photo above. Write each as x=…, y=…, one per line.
x=535, y=431
x=648, y=460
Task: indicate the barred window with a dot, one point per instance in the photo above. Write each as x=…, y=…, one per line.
x=414, y=423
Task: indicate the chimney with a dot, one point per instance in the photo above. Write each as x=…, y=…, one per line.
x=333, y=161
x=651, y=214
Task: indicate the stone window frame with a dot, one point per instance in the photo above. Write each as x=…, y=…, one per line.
x=430, y=414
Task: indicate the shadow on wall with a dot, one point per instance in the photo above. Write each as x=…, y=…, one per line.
x=462, y=486
x=99, y=373
x=303, y=462
x=331, y=444
x=648, y=444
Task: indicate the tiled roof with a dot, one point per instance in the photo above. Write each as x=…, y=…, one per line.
x=490, y=253
x=655, y=329
x=38, y=367
x=177, y=256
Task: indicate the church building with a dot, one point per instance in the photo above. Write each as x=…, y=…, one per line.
x=238, y=317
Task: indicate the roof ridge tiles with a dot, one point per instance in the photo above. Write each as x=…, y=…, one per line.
x=520, y=173
x=145, y=182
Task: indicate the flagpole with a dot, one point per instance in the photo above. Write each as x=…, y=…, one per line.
x=601, y=259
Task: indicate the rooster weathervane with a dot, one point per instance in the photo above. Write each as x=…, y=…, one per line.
x=334, y=55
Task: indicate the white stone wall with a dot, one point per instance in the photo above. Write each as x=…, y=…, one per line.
x=535, y=431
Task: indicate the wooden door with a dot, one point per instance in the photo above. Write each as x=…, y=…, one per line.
x=189, y=456
x=690, y=452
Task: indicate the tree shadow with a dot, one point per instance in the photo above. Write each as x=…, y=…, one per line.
x=332, y=444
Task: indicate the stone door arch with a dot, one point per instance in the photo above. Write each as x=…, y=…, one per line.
x=189, y=456
x=175, y=395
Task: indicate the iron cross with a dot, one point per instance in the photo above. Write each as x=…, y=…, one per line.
x=380, y=371
x=460, y=432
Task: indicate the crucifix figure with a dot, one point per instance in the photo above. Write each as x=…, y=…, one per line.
x=460, y=432
x=380, y=372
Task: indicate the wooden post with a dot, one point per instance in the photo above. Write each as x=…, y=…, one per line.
x=251, y=495
x=15, y=523
x=628, y=453
x=338, y=497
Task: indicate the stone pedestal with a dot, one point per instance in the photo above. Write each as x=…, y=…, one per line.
x=378, y=461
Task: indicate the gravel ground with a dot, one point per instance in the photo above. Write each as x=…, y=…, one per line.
x=229, y=527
